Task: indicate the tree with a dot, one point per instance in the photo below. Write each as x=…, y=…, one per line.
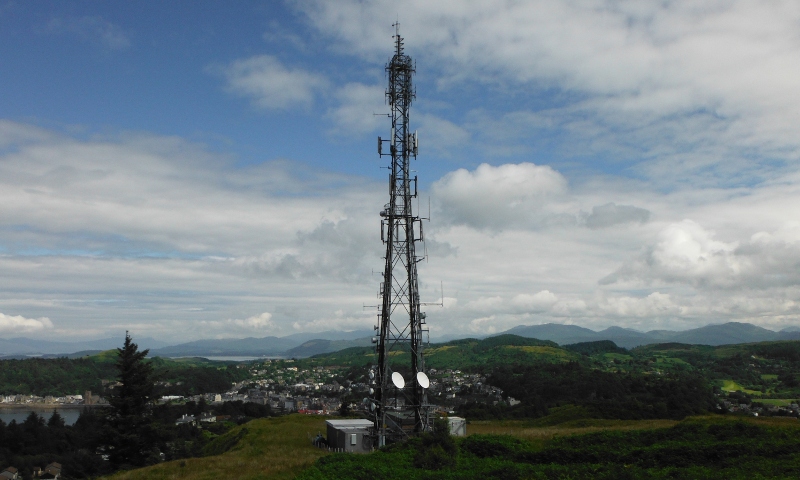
x=131, y=439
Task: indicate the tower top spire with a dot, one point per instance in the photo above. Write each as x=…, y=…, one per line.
x=398, y=40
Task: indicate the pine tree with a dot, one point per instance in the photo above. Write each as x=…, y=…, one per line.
x=130, y=436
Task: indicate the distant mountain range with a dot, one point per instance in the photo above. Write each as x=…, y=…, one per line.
x=723, y=334
x=296, y=345
x=306, y=344
x=33, y=347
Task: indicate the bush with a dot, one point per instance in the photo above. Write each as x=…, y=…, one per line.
x=437, y=449
x=485, y=446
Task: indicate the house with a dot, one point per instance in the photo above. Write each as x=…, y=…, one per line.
x=186, y=419
x=351, y=435
x=9, y=473
x=207, y=417
x=52, y=471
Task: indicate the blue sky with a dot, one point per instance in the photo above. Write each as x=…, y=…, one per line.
x=200, y=169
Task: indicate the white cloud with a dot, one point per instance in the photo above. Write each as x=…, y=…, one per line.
x=338, y=320
x=686, y=253
x=145, y=227
x=270, y=84
x=538, y=302
x=261, y=325
x=484, y=325
x=485, y=304
x=257, y=322
x=17, y=324
x=702, y=86
x=497, y=197
x=15, y=134
x=160, y=234
x=447, y=302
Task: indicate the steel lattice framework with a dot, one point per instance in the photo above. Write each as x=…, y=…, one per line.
x=401, y=322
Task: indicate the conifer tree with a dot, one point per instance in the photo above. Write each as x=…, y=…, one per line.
x=130, y=436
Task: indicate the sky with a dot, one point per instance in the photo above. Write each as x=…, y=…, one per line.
x=204, y=169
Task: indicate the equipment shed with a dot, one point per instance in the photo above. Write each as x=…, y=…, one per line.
x=458, y=426
x=351, y=435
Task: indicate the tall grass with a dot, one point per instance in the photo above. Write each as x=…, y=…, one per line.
x=272, y=448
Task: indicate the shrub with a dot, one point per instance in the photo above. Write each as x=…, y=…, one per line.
x=437, y=449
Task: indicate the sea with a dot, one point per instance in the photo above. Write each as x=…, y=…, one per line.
x=19, y=413
x=232, y=358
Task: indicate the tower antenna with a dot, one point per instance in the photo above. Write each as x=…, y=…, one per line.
x=399, y=406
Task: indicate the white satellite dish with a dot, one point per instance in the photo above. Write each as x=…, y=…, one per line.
x=371, y=374
x=398, y=381
x=422, y=379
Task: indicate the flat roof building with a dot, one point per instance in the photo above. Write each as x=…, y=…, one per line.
x=350, y=435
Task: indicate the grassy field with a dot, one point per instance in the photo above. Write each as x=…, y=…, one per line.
x=731, y=386
x=272, y=448
x=280, y=448
x=780, y=402
x=538, y=435
x=617, y=356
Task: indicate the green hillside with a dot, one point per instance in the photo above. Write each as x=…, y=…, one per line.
x=272, y=448
x=463, y=354
x=765, y=369
x=70, y=376
x=714, y=448
x=699, y=447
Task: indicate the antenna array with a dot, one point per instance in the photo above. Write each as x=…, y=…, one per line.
x=399, y=408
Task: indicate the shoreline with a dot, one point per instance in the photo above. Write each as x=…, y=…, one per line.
x=46, y=406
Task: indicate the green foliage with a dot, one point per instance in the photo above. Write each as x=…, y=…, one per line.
x=511, y=340
x=132, y=396
x=692, y=449
x=562, y=415
x=244, y=410
x=56, y=377
x=765, y=368
x=436, y=449
x=486, y=446
x=130, y=438
x=35, y=442
x=463, y=354
x=607, y=394
x=530, y=407
x=224, y=442
x=594, y=348
x=65, y=376
x=194, y=378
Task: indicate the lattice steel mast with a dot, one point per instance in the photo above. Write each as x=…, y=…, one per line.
x=401, y=321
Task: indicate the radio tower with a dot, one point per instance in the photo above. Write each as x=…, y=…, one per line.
x=399, y=333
